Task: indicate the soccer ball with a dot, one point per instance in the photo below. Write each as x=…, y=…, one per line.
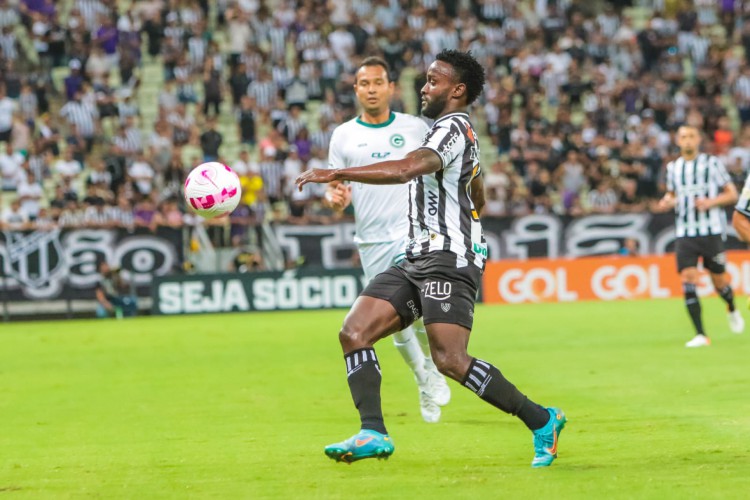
x=212, y=189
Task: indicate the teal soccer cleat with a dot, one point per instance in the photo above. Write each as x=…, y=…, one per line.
x=545, y=439
x=365, y=444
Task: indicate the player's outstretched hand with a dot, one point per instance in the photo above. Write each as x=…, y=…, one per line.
x=317, y=175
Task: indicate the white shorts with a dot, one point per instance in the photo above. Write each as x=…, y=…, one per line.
x=378, y=257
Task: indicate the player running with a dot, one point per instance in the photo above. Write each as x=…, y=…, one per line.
x=439, y=278
x=698, y=187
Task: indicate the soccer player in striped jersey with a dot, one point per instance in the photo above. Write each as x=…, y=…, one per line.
x=380, y=211
x=698, y=187
x=439, y=278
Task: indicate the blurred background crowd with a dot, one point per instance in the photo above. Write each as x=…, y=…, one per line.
x=106, y=105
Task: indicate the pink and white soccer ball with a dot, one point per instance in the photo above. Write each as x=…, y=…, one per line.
x=212, y=189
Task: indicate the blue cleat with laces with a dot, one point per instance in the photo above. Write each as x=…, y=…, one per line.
x=545, y=439
x=365, y=444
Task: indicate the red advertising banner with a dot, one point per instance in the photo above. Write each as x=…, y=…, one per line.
x=599, y=278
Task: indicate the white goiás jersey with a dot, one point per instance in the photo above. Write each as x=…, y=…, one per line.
x=441, y=212
x=380, y=211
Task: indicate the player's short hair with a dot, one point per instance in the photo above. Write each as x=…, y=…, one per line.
x=687, y=125
x=375, y=61
x=467, y=69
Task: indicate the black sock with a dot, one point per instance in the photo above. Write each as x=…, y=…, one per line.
x=727, y=294
x=490, y=385
x=363, y=375
x=693, y=306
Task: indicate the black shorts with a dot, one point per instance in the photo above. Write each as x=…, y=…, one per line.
x=710, y=249
x=429, y=286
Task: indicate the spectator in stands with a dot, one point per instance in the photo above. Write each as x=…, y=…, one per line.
x=11, y=169
x=211, y=141
x=142, y=174
x=241, y=220
x=212, y=87
x=122, y=214
x=84, y=116
x=144, y=214
x=160, y=146
x=7, y=108
x=48, y=135
x=114, y=296
x=602, y=199
x=30, y=195
x=243, y=166
x=629, y=248
x=68, y=168
x=246, y=121
x=169, y=214
x=14, y=218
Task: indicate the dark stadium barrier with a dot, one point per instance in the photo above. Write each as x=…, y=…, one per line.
x=536, y=235
x=302, y=288
x=61, y=265
x=600, y=278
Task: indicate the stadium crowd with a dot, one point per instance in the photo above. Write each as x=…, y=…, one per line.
x=581, y=103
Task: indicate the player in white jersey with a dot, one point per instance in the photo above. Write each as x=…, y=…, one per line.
x=380, y=211
x=698, y=187
x=440, y=275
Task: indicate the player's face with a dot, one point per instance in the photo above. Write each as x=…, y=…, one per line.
x=688, y=140
x=373, y=89
x=437, y=89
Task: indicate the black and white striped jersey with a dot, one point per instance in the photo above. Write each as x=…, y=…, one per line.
x=703, y=177
x=441, y=214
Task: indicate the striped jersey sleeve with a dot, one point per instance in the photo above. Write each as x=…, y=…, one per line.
x=719, y=172
x=670, y=177
x=446, y=139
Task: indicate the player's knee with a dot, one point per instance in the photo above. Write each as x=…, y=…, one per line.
x=349, y=337
x=451, y=364
x=353, y=335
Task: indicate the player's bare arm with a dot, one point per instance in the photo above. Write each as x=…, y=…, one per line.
x=728, y=196
x=417, y=163
x=477, y=193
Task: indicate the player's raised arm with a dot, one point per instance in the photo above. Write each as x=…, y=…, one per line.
x=419, y=162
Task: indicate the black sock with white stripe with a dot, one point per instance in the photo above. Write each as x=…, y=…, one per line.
x=693, y=305
x=490, y=385
x=727, y=294
x=363, y=375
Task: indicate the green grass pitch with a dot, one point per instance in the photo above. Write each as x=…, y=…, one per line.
x=241, y=405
